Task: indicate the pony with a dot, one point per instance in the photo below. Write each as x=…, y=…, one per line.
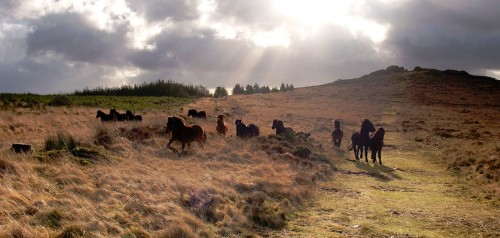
x=221, y=126
x=359, y=140
x=184, y=133
x=244, y=131
x=376, y=143
x=194, y=113
x=132, y=117
x=337, y=133
x=280, y=127
x=119, y=116
x=105, y=117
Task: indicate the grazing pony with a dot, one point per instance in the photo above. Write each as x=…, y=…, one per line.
x=280, y=127
x=194, y=113
x=105, y=117
x=359, y=140
x=337, y=133
x=119, y=116
x=132, y=117
x=221, y=126
x=184, y=133
x=244, y=131
x=376, y=143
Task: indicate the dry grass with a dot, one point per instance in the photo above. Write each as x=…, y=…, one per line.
x=266, y=186
x=139, y=188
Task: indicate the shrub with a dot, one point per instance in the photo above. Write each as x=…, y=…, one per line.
x=302, y=152
x=61, y=100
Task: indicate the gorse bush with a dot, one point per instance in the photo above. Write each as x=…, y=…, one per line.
x=61, y=100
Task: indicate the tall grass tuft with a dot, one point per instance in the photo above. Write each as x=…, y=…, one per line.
x=60, y=142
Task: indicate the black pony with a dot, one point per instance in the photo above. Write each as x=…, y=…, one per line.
x=194, y=113
x=337, y=133
x=105, y=117
x=244, y=131
x=132, y=117
x=119, y=116
x=376, y=143
x=184, y=133
x=360, y=140
x=280, y=127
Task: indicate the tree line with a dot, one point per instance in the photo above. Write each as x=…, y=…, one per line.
x=157, y=88
x=249, y=89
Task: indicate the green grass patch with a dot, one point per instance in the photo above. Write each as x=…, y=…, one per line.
x=41, y=102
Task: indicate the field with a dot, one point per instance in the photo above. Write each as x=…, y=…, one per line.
x=439, y=178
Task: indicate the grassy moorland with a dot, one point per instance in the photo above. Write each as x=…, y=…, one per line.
x=439, y=178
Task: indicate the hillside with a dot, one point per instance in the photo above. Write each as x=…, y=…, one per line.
x=439, y=178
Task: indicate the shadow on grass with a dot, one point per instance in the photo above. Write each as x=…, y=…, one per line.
x=380, y=172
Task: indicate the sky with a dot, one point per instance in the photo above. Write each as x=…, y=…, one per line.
x=58, y=46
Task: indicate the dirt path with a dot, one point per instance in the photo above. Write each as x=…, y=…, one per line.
x=411, y=195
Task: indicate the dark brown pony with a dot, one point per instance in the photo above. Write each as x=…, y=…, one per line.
x=132, y=117
x=280, y=127
x=184, y=133
x=244, y=131
x=105, y=117
x=119, y=116
x=221, y=126
x=376, y=143
x=359, y=140
x=337, y=133
x=199, y=114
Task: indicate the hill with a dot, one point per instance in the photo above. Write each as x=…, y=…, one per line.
x=439, y=178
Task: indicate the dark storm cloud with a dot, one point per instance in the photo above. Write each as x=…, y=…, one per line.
x=47, y=77
x=461, y=35
x=71, y=36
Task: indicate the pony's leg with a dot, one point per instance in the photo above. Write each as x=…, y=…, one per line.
x=380, y=156
x=170, y=147
x=361, y=151
x=356, y=151
x=170, y=142
x=374, y=155
x=366, y=154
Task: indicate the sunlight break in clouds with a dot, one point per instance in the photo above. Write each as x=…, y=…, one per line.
x=311, y=14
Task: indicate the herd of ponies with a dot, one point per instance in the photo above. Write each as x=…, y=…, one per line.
x=360, y=140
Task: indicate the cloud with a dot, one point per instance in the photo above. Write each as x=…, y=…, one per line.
x=160, y=10
x=48, y=46
x=72, y=36
x=462, y=35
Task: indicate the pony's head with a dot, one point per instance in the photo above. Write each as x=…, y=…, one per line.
x=192, y=112
x=367, y=125
x=277, y=124
x=336, y=124
x=220, y=117
x=99, y=114
x=170, y=126
x=129, y=113
x=238, y=122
